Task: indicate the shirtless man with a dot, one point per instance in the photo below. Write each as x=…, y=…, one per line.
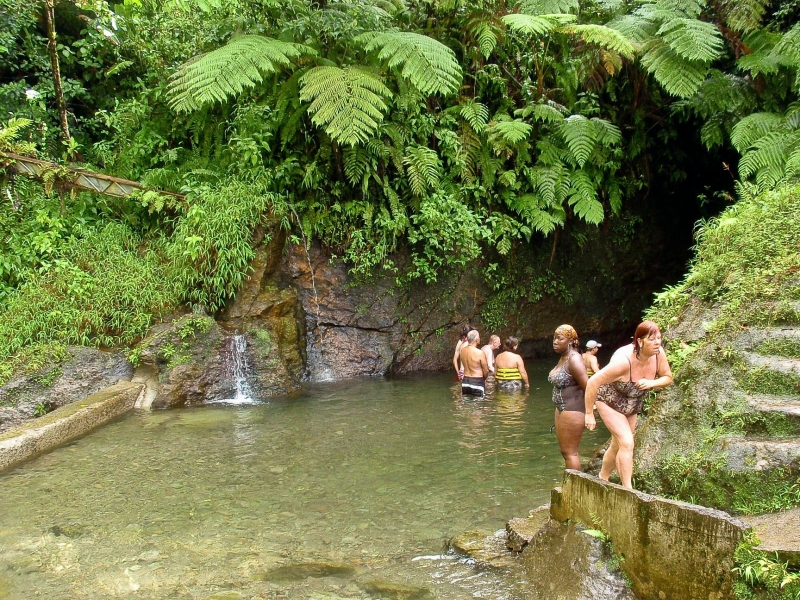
x=590, y=357
x=476, y=367
x=488, y=350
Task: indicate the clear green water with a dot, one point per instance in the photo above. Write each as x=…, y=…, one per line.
x=376, y=475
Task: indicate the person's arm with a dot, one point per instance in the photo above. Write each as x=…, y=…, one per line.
x=457, y=358
x=487, y=352
x=593, y=363
x=577, y=368
x=663, y=375
x=523, y=372
x=484, y=365
x=611, y=372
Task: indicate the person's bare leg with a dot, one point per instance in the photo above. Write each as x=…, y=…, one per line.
x=569, y=431
x=609, y=461
x=621, y=428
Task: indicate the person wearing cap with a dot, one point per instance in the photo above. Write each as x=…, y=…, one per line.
x=590, y=357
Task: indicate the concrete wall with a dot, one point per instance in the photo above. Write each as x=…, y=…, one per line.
x=66, y=423
x=672, y=550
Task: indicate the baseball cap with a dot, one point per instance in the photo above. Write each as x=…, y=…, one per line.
x=592, y=344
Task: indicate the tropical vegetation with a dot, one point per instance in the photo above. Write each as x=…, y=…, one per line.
x=450, y=130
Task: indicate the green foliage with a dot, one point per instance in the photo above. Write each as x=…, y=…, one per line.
x=211, y=248
x=220, y=74
x=348, y=103
x=101, y=290
x=426, y=63
x=763, y=575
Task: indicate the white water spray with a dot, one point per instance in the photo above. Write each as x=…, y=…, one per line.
x=244, y=394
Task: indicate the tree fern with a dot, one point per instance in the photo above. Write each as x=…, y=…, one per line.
x=225, y=72
x=423, y=169
x=753, y=127
x=548, y=7
x=546, y=112
x=474, y=113
x=606, y=132
x=512, y=132
x=583, y=198
x=536, y=26
x=356, y=165
x=743, y=15
x=770, y=146
x=605, y=37
x=679, y=76
x=347, y=102
x=427, y=64
x=486, y=29
x=692, y=39
x=580, y=135
x=533, y=210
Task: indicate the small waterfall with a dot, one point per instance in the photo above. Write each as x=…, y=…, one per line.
x=244, y=394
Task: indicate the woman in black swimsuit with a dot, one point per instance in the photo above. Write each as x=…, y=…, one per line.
x=618, y=389
x=569, y=380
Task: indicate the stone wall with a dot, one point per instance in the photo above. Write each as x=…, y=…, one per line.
x=671, y=550
x=66, y=423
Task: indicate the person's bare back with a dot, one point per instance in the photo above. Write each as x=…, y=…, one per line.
x=474, y=361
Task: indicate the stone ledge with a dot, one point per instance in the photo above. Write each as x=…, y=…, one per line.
x=657, y=538
x=66, y=423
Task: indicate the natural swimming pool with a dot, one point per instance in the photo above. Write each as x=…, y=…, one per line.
x=367, y=479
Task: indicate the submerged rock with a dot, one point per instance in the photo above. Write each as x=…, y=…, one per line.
x=299, y=571
x=488, y=549
x=396, y=591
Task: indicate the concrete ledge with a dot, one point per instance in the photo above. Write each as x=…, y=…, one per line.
x=66, y=423
x=671, y=550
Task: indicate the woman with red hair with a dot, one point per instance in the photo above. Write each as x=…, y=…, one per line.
x=618, y=389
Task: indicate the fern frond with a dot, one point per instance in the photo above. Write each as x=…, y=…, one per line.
x=692, y=39
x=551, y=182
x=486, y=29
x=356, y=164
x=666, y=9
x=712, y=134
x=744, y=15
x=766, y=154
x=532, y=209
x=471, y=153
x=548, y=7
x=512, y=132
x=429, y=65
x=604, y=37
x=614, y=196
x=547, y=112
x=9, y=135
x=580, y=135
x=536, y=26
x=792, y=168
x=633, y=27
x=423, y=169
x=225, y=72
x=751, y=128
x=348, y=103
x=788, y=49
x=583, y=198
x=679, y=76
x=475, y=113
x=606, y=132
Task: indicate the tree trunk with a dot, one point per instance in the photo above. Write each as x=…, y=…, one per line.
x=52, y=51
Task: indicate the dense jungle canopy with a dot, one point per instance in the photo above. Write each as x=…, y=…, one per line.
x=451, y=130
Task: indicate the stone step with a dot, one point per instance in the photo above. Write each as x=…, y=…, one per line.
x=760, y=454
x=787, y=405
x=779, y=532
x=789, y=366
